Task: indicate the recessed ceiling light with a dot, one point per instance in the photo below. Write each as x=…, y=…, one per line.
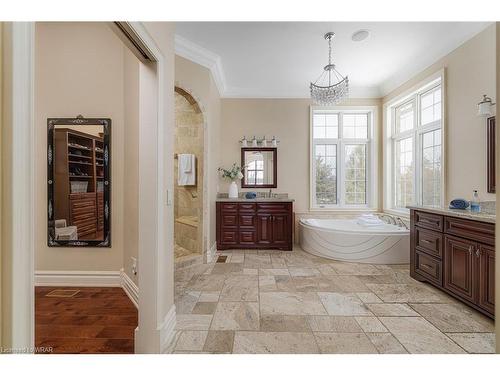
x=360, y=35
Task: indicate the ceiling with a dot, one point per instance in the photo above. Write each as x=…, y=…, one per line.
x=279, y=59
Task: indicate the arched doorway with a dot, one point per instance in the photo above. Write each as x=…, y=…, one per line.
x=188, y=197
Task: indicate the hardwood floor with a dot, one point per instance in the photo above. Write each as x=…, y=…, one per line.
x=95, y=320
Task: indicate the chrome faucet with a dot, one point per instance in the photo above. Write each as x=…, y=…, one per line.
x=401, y=223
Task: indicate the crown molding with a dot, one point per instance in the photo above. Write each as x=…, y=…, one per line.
x=202, y=56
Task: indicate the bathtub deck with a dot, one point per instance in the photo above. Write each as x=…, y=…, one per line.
x=293, y=302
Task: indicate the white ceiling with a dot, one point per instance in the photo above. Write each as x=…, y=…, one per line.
x=279, y=59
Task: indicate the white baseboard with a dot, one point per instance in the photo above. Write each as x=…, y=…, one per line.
x=78, y=278
x=167, y=331
x=130, y=288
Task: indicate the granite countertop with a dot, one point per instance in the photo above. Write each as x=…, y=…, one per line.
x=254, y=200
x=486, y=217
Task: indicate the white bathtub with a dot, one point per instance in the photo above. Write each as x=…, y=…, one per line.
x=348, y=241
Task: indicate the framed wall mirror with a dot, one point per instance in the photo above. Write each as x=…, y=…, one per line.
x=79, y=182
x=491, y=155
x=260, y=167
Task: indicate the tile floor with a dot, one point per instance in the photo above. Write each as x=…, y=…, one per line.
x=293, y=302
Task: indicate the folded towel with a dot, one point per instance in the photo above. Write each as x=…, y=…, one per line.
x=186, y=175
x=459, y=203
x=185, y=162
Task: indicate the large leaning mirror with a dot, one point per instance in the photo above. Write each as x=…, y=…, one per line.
x=260, y=168
x=78, y=181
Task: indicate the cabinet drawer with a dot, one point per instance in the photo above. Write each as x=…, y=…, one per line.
x=248, y=237
x=429, y=242
x=273, y=207
x=229, y=220
x=429, y=267
x=248, y=221
x=474, y=230
x=247, y=206
x=429, y=221
x=229, y=206
x=229, y=237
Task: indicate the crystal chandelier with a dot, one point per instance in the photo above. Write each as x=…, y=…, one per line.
x=331, y=87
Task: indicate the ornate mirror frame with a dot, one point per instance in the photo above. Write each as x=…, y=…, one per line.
x=274, y=150
x=491, y=155
x=79, y=120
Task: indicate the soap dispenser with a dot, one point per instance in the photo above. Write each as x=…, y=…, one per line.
x=474, y=203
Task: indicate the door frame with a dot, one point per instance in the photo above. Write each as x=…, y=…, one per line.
x=155, y=329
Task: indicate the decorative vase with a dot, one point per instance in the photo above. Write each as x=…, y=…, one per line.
x=233, y=190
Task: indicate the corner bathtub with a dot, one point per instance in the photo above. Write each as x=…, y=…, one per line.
x=347, y=241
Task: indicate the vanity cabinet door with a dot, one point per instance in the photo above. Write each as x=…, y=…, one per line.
x=460, y=267
x=264, y=229
x=487, y=278
x=280, y=229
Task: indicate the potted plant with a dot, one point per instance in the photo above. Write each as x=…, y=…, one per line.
x=232, y=174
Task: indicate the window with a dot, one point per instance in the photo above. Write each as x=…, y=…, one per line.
x=340, y=145
x=416, y=165
x=255, y=172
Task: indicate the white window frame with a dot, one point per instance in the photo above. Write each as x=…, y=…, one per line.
x=371, y=161
x=390, y=138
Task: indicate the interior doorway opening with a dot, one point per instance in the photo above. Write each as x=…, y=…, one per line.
x=189, y=171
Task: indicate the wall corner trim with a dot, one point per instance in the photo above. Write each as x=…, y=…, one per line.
x=167, y=331
x=211, y=253
x=130, y=288
x=203, y=57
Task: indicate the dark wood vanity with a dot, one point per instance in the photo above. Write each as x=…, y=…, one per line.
x=455, y=254
x=243, y=224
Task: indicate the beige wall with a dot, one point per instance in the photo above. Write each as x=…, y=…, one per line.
x=131, y=161
x=470, y=73
x=78, y=70
x=198, y=81
x=288, y=120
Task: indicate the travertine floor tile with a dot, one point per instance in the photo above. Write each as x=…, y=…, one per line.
x=284, y=323
x=356, y=269
x=219, y=342
x=370, y=324
x=205, y=308
x=193, y=322
x=483, y=343
x=274, y=342
x=289, y=303
x=295, y=271
x=227, y=268
x=185, y=302
x=345, y=304
x=386, y=343
x=208, y=297
x=240, y=288
x=191, y=340
x=345, y=343
x=407, y=293
x=274, y=272
x=419, y=336
x=333, y=324
x=368, y=297
x=347, y=284
x=267, y=284
x=234, y=316
x=391, y=309
x=207, y=283
x=454, y=318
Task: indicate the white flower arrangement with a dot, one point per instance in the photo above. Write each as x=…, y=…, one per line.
x=233, y=174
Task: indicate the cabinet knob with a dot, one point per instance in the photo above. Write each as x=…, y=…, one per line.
x=471, y=249
x=478, y=252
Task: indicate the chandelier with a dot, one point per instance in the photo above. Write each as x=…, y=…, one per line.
x=330, y=87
